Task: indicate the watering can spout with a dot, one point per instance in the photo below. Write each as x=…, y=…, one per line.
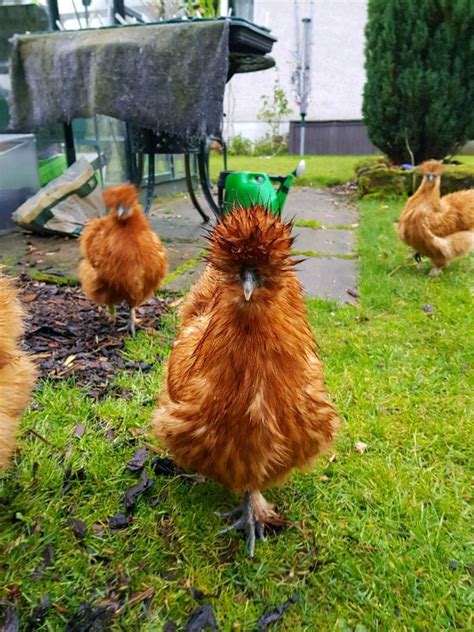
x=300, y=169
x=288, y=181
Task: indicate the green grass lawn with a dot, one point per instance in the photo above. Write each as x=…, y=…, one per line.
x=320, y=171
x=383, y=536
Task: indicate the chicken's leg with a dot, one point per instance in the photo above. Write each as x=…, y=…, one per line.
x=132, y=321
x=253, y=512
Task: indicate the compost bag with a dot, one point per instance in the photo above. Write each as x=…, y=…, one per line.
x=65, y=204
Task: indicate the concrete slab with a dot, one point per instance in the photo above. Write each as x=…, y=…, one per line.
x=179, y=254
x=179, y=228
x=176, y=220
x=52, y=255
x=178, y=206
x=327, y=241
x=13, y=247
x=329, y=278
x=186, y=279
x=320, y=205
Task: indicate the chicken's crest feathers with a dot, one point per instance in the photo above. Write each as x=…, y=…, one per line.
x=125, y=195
x=252, y=237
x=434, y=167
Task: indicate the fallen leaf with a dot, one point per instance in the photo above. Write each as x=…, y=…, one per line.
x=119, y=521
x=28, y=298
x=361, y=447
x=353, y=293
x=78, y=527
x=38, y=615
x=201, y=619
x=89, y=618
x=176, y=302
x=69, y=360
x=166, y=467
x=70, y=476
x=131, y=494
x=146, y=594
x=79, y=431
x=11, y=623
x=138, y=460
x=270, y=616
x=48, y=560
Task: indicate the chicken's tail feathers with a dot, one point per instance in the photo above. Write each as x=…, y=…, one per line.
x=457, y=244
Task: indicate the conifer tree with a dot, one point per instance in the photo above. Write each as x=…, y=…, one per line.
x=420, y=77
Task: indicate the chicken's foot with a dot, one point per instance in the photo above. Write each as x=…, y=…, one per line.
x=253, y=512
x=247, y=522
x=112, y=313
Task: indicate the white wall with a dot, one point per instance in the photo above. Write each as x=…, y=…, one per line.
x=337, y=64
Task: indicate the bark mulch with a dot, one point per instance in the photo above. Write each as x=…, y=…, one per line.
x=70, y=336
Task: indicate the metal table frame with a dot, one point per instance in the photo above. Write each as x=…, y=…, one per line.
x=240, y=62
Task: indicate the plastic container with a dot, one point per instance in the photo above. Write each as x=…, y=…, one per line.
x=51, y=168
x=19, y=177
x=247, y=187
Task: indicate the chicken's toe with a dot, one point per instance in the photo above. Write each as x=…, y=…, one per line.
x=248, y=521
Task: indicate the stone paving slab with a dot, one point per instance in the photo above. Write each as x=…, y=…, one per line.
x=186, y=279
x=57, y=255
x=317, y=204
x=327, y=241
x=177, y=222
x=329, y=278
x=178, y=228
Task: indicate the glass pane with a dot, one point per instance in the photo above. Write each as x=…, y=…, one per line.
x=242, y=9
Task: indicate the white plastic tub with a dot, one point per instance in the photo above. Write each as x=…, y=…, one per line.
x=19, y=176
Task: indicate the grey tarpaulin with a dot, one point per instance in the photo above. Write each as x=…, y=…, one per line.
x=166, y=77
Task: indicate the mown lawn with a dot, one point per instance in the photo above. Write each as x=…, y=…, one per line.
x=383, y=535
x=320, y=170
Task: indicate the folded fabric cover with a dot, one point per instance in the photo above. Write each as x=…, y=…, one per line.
x=169, y=78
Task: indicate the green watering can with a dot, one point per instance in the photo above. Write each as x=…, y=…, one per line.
x=249, y=187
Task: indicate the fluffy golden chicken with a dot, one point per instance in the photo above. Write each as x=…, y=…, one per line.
x=17, y=371
x=124, y=260
x=441, y=228
x=244, y=400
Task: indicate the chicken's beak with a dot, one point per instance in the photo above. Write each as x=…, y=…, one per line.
x=248, y=277
x=122, y=210
x=431, y=177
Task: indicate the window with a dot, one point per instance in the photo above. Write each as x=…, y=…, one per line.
x=242, y=9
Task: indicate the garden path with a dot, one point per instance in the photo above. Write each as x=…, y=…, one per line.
x=324, y=229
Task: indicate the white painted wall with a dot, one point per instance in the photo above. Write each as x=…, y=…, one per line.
x=337, y=63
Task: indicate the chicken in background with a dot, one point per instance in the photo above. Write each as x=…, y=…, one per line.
x=124, y=260
x=244, y=400
x=17, y=371
x=441, y=228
